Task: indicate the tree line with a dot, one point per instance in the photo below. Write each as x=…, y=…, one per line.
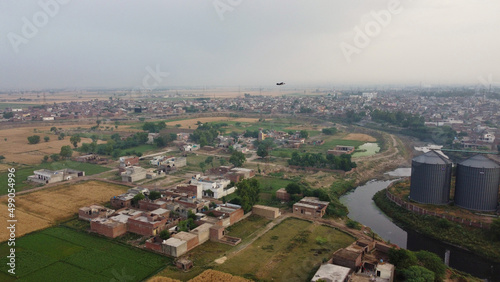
x=342, y=162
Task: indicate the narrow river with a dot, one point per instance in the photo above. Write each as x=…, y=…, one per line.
x=363, y=209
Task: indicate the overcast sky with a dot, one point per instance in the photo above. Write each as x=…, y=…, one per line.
x=247, y=42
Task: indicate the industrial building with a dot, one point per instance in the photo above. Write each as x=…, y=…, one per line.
x=477, y=184
x=430, y=179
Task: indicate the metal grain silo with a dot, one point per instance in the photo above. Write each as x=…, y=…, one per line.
x=430, y=179
x=477, y=184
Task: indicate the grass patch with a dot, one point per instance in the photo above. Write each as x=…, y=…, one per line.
x=270, y=185
x=23, y=173
x=141, y=149
x=292, y=257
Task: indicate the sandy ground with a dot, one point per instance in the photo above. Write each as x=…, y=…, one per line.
x=17, y=149
x=359, y=137
x=43, y=208
x=191, y=123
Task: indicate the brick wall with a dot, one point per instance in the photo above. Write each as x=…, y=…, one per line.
x=418, y=210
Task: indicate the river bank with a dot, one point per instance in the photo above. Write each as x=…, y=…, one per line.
x=363, y=209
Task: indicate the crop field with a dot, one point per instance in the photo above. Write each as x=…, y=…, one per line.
x=15, y=148
x=23, y=173
x=359, y=137
x=290, y=251
x=62, y=254
x=46, y=207
x=191, y=123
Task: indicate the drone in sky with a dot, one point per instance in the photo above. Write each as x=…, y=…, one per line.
x=280, y=83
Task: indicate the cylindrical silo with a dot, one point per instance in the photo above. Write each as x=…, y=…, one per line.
x=430, y=179
x=477, y=184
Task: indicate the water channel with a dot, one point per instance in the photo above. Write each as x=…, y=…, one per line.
x=363, y=209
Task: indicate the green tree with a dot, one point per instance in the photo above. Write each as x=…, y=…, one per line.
x=237, y=158
x=432, y=262
x=293, y=188
x=165, y=234
x=45, y=158
x=304, y=134
x=137, y=198
x=202, y=166
x=417, y=273
x=35, y=139
x=61, y=136
x=248, y=191
x=153, y=195
x=53, y=129
x=264, y=147
x=222, y=161
x=55, y=157
x=402, y=258
x=210, y=160
x=46, y=138
x=8, y=115
x=75, y=139
x=66, y=152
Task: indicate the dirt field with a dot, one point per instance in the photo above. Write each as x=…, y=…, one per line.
x=359, y=137
x=17, y=149
x=43, y=208
x=192, y=122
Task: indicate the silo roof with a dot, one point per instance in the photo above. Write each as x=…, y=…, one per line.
x=479, y=161
x=431, y=157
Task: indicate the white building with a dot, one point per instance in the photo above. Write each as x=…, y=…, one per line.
x=216, y=189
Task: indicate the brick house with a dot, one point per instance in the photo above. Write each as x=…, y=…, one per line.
x=94, y=211
x=310, y=207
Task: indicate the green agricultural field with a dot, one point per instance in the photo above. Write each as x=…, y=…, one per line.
x=23, y=173
x=290, y=251
x=141, y=149
x=62, y=254
x=14, y=105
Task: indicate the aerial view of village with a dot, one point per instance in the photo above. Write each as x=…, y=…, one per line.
x=249, y=141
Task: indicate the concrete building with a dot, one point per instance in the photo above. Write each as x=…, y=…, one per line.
x=45, y=176
x=108, y=227
x=339, y=150
x=94, y=211
x=216, y=188
x=265, y=211
x=133, y=174
x=125, y=200
x=332, y=273
x=190, y=239
x=310, y=207
x=147, y=224
x=282, y=195
x=128, y=161
x=348, y=257
x=174, y=247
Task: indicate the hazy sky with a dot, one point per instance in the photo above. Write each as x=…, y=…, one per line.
x=247, y=42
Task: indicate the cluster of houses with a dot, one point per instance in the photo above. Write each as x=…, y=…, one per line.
x=149, y=218
x=364, y=260
x=130, y=171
